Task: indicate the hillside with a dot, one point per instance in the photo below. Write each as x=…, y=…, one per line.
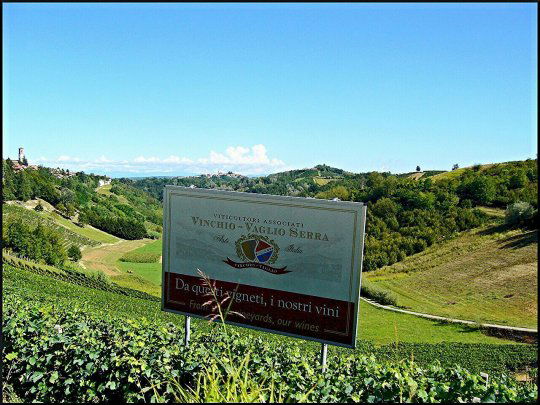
x=102, y=314
x=120, y=210
x=301, y=182
x=486, y=275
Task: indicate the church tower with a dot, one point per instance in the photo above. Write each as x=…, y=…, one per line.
x=21, y=155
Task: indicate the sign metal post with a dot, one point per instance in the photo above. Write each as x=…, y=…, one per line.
x=187, y=331
x=324, y=352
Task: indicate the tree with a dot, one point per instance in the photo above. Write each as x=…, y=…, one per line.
x=481, y=190
x=53, y=249
x=8, y=186
x=517, y=180
x=417, y=168
x=74, y=253
x=61, y=207
x=455, y=167
x=24, y=187
x=83, y=218
x=38, y=239
x=18, y=236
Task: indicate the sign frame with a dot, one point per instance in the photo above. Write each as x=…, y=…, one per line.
x=300, y=202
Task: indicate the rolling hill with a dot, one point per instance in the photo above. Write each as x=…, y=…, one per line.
x=485, y=275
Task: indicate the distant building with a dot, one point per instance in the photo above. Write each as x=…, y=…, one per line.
x=21, y=163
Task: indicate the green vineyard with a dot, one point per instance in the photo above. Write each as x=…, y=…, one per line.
x=118, y=344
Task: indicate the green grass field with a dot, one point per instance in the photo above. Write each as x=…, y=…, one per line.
x=106, y=259
x=148, y=271
x=485, y=275
x=458, y=172
x=320, y=181
x=87, y=231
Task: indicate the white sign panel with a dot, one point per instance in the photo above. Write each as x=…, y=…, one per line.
x=292, y=265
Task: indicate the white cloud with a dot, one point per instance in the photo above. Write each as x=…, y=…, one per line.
x=65, y=158
x=238, y=159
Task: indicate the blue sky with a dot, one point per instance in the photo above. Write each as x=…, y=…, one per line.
x=173, y=89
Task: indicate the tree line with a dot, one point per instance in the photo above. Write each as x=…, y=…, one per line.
x=405, y=216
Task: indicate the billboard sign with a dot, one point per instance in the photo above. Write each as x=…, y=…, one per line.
x=290, y=265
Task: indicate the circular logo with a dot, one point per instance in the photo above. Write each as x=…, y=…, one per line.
x=257, y=248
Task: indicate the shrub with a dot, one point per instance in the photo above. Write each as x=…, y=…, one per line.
x=140, y=257
x=56, y=354
x=74, y=253
x=520, y=213
x=369, y=290
x=39, y=207
x=154, y=234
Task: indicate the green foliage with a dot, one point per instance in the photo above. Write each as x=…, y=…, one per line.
x=479, y=189
x=140, y=257
x=154, y=234
x=77, y=193
x=97, y=346
x=55, y=354
x=518, y=179
x=40, y=244
x=24, y=186
x=38, y=207
x=14, y=213
x=336, y=192
x=8, y=186
x=371, y=291
x=74, y=253
x=404, y=216
x=521, y=213
x=118, y=225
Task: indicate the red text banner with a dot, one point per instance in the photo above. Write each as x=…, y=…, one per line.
x=296, y=314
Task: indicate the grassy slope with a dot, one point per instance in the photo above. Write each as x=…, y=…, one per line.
x=106, y=259
x=88, y=231
x=106, y=190
x=14, y=210
x=485, y=275
x=459, y=172
x=148, y=271
x=375, y=325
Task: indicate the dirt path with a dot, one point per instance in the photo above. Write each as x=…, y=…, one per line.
x=442, y=318
x=104, y=257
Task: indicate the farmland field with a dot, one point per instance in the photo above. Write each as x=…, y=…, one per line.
x=148, y=271
x=155, y=340
x=375, y=325
x=485, y=275
x=321, y=181
x=107, y=259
